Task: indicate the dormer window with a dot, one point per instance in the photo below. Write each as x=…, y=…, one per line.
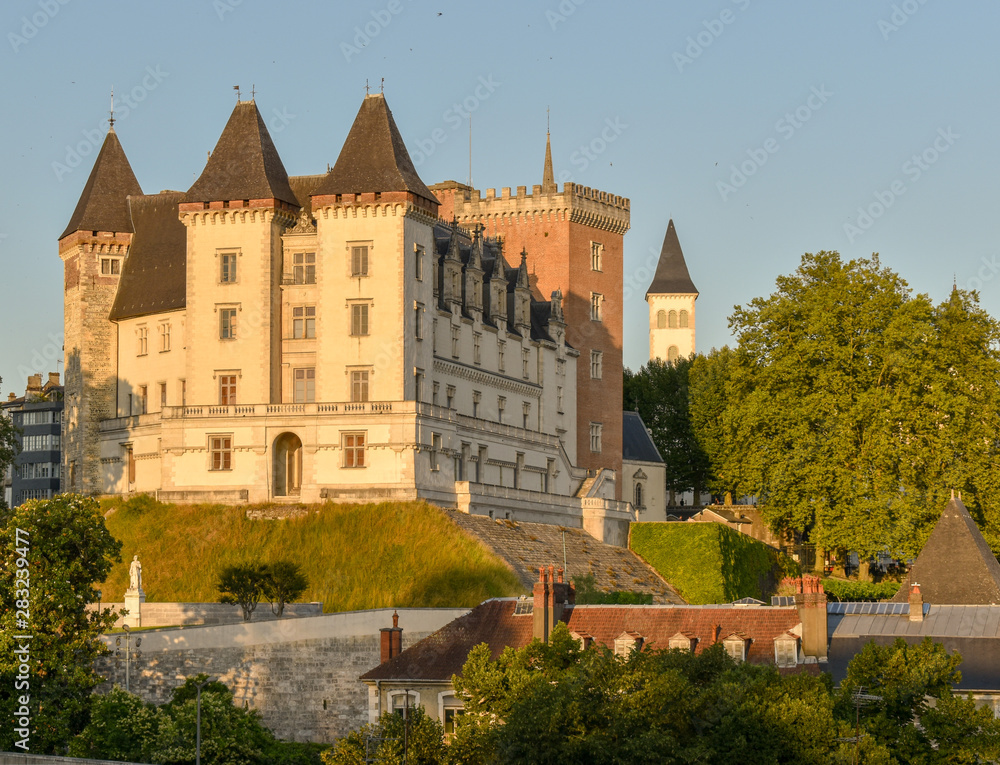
x=736, y=647
x=786, y=650
x=628, y=642
x=585, y=640
x=683, y=642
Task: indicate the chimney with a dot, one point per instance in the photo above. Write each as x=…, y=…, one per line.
x=11, y=396
x=53, y=378
x=916, y=603
x=391, y=640
x=34, y=382
x=540, y=606
x=810, y=600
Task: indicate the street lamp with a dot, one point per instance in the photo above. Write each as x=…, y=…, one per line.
x=128, y=653
x=197, y=735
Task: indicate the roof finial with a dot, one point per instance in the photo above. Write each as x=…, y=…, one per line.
x=237, y=89
x=547, y=111
x=111, y=119
x=382, y=86
x=367, y=92
x=253, y=91
x=953, y=494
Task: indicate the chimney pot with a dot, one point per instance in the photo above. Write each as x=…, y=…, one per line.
x=560, y=579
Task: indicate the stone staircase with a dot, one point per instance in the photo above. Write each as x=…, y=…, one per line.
x=527, y=546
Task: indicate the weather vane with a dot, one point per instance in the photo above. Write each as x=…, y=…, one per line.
x=237, y=89
x=111, y=120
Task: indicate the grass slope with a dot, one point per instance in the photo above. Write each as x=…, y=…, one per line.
x=709, y=562
x=354, y=556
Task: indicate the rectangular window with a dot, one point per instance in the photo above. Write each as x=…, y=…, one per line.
x=559, y=399
x=418, y=384
x=227, y=323
x=418, y=321
x=596, y=306
x=561, y=367
x=435, y=451
x=304, y=268
x=359, y=319
x=450, y=392
x=359, y=385
x=501, y=405
x=305, y=385
x=359, y=260
x=164, y=337
x=596, y=365
x=221, y=450
x=501, y=353
x=142, y=336
x=526, y=414
x=303, y=322
x=477, y=347
x=477, y=398
x=111, y=266
x=227, y=390
x=163, y=395
x=418, y=262
x=596, y=253
x=525, y=363
x=595, y=437
x=227, y=268
x=143, y=399
x=353, y=445
x=184, y=392
x=42, y=443
x=455, y=338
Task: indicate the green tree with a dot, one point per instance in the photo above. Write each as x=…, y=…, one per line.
x=10, y=446
x=708, y=384
x=121, y=727
x=284, y=583
x=659, y=392
x=385, y=739
x=67, y=549
x=853, y=406
x=243, y=583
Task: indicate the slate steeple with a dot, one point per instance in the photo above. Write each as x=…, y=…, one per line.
x=671, y=277
x=548, y=175
x=103, y=205
x=244, y=165
x=374, y=157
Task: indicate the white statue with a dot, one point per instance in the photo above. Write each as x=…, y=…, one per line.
x=135, y=574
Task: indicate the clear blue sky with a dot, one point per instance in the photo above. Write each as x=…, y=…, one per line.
x=825, y=103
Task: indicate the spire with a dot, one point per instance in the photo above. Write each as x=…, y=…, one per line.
x=548, y=176
x=103, y=205
x=374, y=157
x=244, y=163
x=522, y=270
x=671, y=277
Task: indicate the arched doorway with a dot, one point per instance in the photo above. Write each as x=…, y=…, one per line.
x=287, y=465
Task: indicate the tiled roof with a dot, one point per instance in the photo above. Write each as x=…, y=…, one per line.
x=102, y=205
x=244, y=164
x=956, y=566
x=671, y=277
x=637, y=444
x=374, y=157
x=441, y=655
x=154, y=276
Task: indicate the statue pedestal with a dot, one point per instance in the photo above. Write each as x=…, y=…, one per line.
x=133, y=603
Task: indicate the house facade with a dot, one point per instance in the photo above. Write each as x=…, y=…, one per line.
x=36, y=470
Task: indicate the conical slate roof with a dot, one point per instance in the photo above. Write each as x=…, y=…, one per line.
x=374, y=157
x=671, y=277
x=548, y=175
x=102, y=205
x=956, y=566
x=244, y=165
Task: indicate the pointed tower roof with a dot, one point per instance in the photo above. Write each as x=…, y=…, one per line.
x=548, y=176
x=956, y=566
x=244, y=165
x=671, y=277
x=374, y=157
x=102, y=205
x=522, y=270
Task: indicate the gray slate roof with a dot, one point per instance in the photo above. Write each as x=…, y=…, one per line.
x=637, y=444
x=956, y=566
x=102, y=205
x=671, y=277
x=374, y=157
x=154, y=276
x=244, y=164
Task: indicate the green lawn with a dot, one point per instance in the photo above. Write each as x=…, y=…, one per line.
x=709, y=562
x=354, y=556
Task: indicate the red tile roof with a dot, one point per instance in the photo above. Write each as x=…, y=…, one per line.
x=441, y=655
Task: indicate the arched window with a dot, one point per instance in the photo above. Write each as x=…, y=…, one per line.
x=661, y=319
x=638, y=496
x=672, y=353
x=684, y=319
x=672, y=320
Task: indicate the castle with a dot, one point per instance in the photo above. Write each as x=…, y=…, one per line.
x=351, y=336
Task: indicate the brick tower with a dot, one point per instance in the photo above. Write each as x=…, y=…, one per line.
x=574, y=239
x=92, y=249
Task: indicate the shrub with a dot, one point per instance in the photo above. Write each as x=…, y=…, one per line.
x=587, y=594
x=849, y=590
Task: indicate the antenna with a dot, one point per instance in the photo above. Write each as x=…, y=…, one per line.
x=470, y=151
x=366, y=87
x=111, y=120
x=253, y=91
x=237, y=89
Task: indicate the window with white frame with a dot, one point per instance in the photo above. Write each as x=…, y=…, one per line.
x=681, y=642
x=786, y=651
x=736, y=647
x=304, y=268
x=596, y=306
x=596, y=365
x=451, y=712
x=402, y=702
x=595, y=437
x=359, y=319
x=303, y=322
x=142, y=341
x=626, y=643
x=304, y=385
x=353, y=446
x=596, y=256
x=359, y=385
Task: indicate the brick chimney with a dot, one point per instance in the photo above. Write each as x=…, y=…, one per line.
x=391, y=640
x=916, y=603
x=11, y=396
x=552, y=596
x=53, y=378
x=34, y=383
x=541, y=600
x=810, y=600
